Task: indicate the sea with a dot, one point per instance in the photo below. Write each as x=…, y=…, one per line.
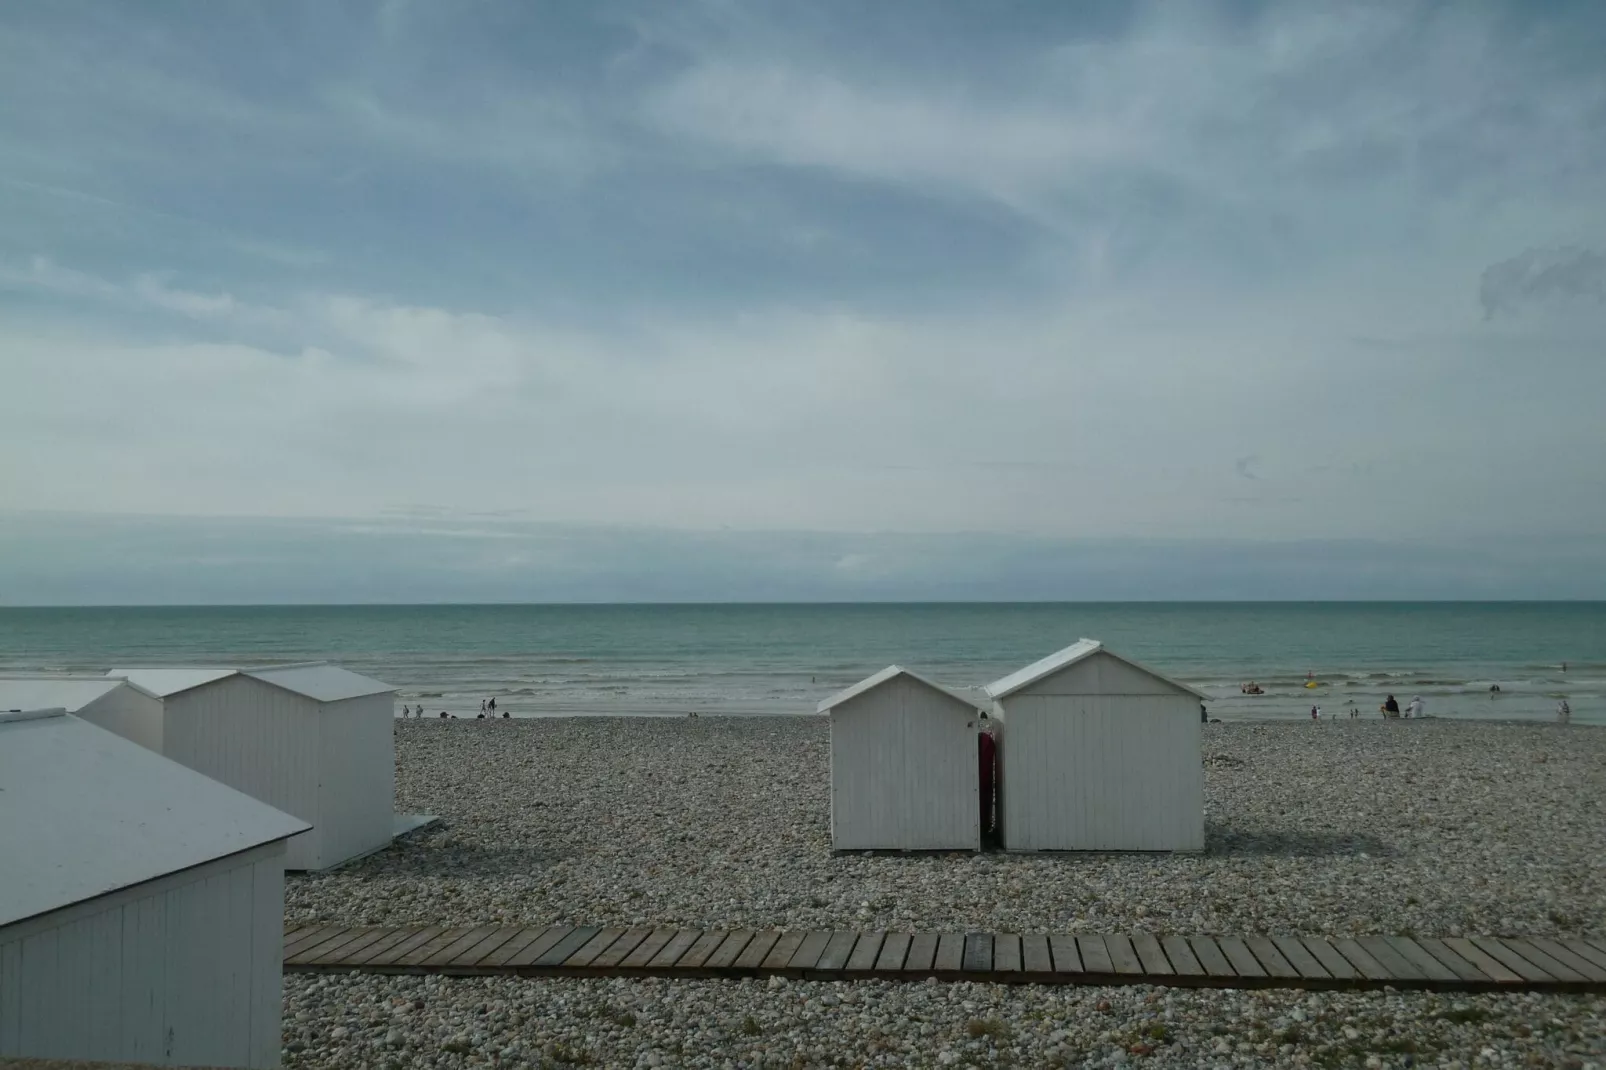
x=673, y=660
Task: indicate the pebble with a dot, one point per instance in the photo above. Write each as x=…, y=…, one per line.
x=1428, y=827
x=654, y=1022
x=1443, y=828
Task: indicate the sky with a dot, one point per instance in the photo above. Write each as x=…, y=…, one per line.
x=397, y=301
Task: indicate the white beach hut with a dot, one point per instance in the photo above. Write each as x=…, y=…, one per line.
x=1097, y=753
x=904, y=767
x=315, y=740
x=109, y=702
x=141, y=904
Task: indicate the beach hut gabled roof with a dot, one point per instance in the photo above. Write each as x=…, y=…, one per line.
x=1064, y=659
x=88, y=813
x=165, y=681
x=70, y=693
x=870, y=683
x=321, y=681
x=317, y=680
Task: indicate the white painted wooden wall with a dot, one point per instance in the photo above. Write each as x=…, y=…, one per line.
x=904, y=771
x=1101, y=757
x=333, y=765
x=130, y=713
x=256, y=738
x=357, y=796
x=186, y=970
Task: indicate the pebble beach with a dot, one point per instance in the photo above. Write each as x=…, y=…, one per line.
x=1343, y=827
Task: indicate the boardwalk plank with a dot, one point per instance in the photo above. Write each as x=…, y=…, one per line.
x=1299, y=957
x=498, y=936
x=1399, y=967
x=379, y=947
x=1006, y=953
x=1238, y=953
x=978, y=954
x=809, y=951
x=837, y=951
x=865, y=953
x=894, y=949
x=351, y=948
x=1095, y=954
x=648, y=949
x=1341, y=968
x=619, y=949
x=674, y=948
x=1152, y=956
x=522, y=941
x=1210, y=957
x=1463, y=970
x=701, y=950
x=428, y=949
x=1066, y=958
x=449, y=955
x=559, y=953
x=1182, y=957
x=1496, y=970
x=312, y=938
x=724, y=955
x=757, y=949
x=1371, y=960
x=1362, y=960
x=391, y=955
x=1561, y=971
x=1271, y=959
x=1419, y=957
x=786, y=946
x=588, y=952
x=1583, y=950
x=1123, y=956
x=1035, y=956
x=922, y=953
x=335, y=950
x=1528, y=971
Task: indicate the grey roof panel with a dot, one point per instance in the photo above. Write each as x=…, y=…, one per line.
x=84, y=812
x=70, y=693
x=323, y=682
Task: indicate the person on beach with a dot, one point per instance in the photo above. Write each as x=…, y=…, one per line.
x=493, y=704
x=1391, y=707
x=1564, y=712
x=1416, y=708
x=406, y=712
x=505, y=715
x=482, y=707
x=1315, y=713
x=443, y=715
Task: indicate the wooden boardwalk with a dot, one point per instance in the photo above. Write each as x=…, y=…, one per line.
x=1452, y=963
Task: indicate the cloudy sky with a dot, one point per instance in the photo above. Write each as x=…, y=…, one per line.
x=600, y=299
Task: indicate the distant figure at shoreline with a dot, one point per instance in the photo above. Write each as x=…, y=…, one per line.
x=1494, y=689
x=1416, y=708
x=1391, y=707
x=1315, y=713
x=1564, y=712
x=482, y=707
x=406, y=712
x=443, y=715
x=505, y=715
x=492, y=704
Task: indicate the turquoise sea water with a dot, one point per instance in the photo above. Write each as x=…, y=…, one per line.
x=544, y=660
